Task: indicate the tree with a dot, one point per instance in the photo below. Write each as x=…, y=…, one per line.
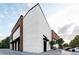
x=0, y=45
x=75, y=42
x=60, y=41
x=51, y=43
x=65, y=45
x=5, y=43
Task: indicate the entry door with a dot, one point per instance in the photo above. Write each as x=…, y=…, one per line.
x=12, y=45
x=15, y=46
x=45, y=46
x=19, y=44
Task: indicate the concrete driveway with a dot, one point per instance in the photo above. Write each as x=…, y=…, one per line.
x=50, y=52
x=12, y=52
x=59, y=52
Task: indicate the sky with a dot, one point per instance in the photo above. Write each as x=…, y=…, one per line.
x=62, y=18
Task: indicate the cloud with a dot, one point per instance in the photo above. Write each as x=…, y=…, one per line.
x=1, y=35
x=63, y=16
x=2, y=16
x=30, y=4
x=76, y=30
x=58, y=19
x=64, y=29
x=9, y=14
x=64, y=21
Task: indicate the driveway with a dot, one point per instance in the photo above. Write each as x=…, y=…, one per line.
x=12, y=52
x=59, y=52
x=50, y=52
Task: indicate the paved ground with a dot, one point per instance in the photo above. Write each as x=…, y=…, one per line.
x=51, y=52
x=59, y=52
x=11, y=52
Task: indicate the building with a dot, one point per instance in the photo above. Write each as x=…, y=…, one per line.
x=31, y=33
x=55, y=36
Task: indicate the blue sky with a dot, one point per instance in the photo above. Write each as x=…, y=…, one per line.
x=9, y=14
x=62, y=18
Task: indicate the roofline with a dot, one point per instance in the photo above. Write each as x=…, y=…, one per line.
x=41, y=11
x=21, y=16
x=44, y=16
x=27, y=13
x=31, y=9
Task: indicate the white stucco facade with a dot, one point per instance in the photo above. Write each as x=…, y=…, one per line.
x=11, y=46
x=34, y=27
x=17, y=46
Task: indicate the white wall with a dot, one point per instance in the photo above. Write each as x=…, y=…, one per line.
x=34, y=27
x=44, y=29
x=17, y=46
x=16, y=34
